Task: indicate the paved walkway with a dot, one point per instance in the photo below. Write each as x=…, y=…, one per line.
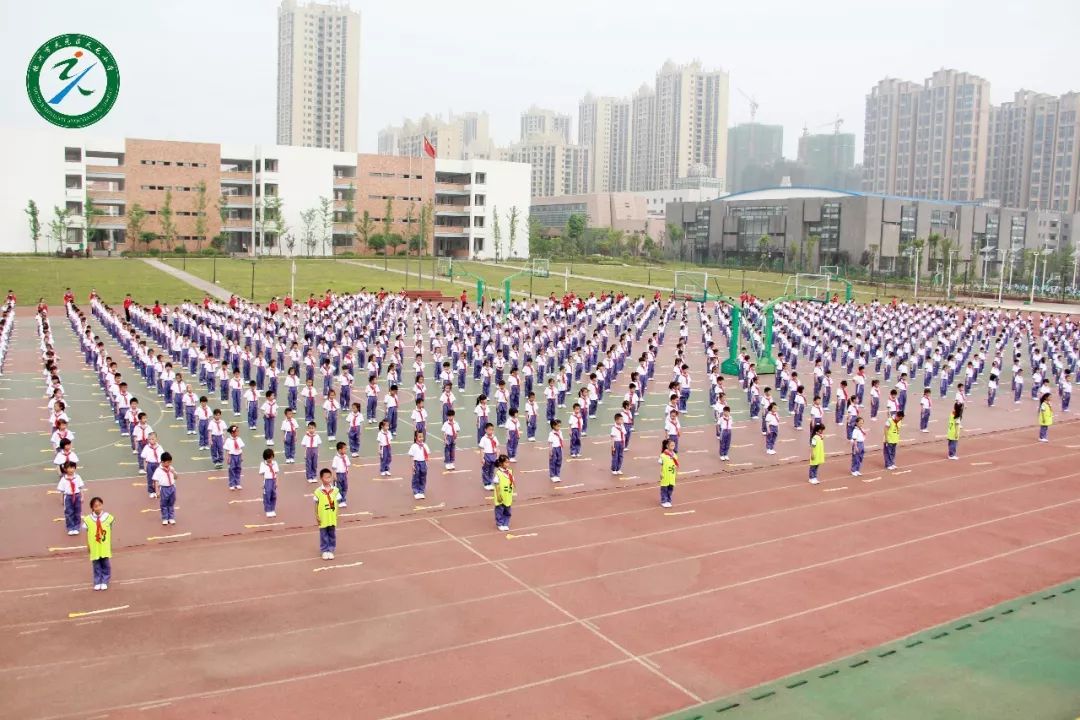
x=196, y=282
x=463, y=283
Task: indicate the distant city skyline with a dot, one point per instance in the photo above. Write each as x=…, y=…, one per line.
x=213, y=73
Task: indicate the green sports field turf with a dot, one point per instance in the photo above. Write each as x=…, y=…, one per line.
x=1020, y=659
x=33, y=278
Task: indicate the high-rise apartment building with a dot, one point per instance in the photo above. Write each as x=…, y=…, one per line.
x=604, y=127
x=461, y=137
x=829, y=159
x=691, y=122
x=930, y=140
x=1034, y=152
x=751, y=145
x=318, y=75
x=643, y=140
x=558, y=168
x=538, y=121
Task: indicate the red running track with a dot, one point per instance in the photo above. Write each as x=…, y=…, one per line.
x=599, y=605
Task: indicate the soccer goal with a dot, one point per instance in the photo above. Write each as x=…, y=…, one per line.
x=691, y=285
x=830, y=270
x=540, y=267
x=811, y=286
x=444, y=266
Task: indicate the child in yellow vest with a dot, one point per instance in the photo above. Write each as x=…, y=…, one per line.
x=892, y=439
x=504, y=492
x=99, y=540
x=952, y=430
x=1046, y=418
x=817, y=452
x=669, y=469
x=327, y=499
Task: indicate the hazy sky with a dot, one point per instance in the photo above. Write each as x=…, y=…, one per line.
x=203, y=70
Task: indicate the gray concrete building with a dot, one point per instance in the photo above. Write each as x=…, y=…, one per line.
x=829, y=159
x=849, y=223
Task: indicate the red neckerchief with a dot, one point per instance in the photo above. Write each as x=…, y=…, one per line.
x=329, y=497
x=71, y=480
x=672, y=456
x=99, y=533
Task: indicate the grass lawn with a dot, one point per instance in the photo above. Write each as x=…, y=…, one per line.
x=32, y=278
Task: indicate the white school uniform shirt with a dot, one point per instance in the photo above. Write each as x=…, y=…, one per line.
x=450, y=430
x=57, y=436
x=577, y=422
x=618, y=433
x=340, y=465
x=489, y=445
x=308, y=391
x=72, y=485
x=513, y=425
x=481, y=411
x=152, y=453
x=815, y=412
x=925, y=403
x=724, y=423
x=672, y=427
x=555, y=439
x=857, y=435
x=292, y=381
x=772, y=419
x=203, y=413
x=391, y=401
x=892, y=406
x=165, y=477
x=384, y=438
x=234, y=446
x=419, y=415
x=269, y=470
x=310, y=440
x=530, y=409
x=65, y=457
x=289, y=425
x=270, y=408
x=447, y=398
x=960, y=396
x=217, y=428
x=420, y=452
x=330, y=405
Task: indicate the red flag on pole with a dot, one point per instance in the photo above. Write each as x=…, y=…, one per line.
x=429, y=149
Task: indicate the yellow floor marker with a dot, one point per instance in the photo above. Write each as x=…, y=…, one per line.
x=118, y=608
x=336, y=567
x=67, y=549
x=264, y=525
x=168, y=537
x=511, y=536
x=429, y=507
x=681, y=512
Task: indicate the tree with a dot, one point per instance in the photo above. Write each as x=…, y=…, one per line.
x=326, y=222
x=933, y=244
x=763, y=249
x=364, y=227
x=91, y=211
x=812, y=243
x=387, y=221
x=308, y=237
x=376, y=243
x=512, y=218
x=147, y=237
x=58, y=226
x=392, y=242
x=675, y=235
x=575, y=231
x=427, y=213
x=200, y=214
x=289, y=241
x=34, y=218
x=168, y=227
x=416, y=242
x=136, y=216
x=649, y=247
x=273, y=219
x=496, y=233
x=792, y=256
x=916, y=253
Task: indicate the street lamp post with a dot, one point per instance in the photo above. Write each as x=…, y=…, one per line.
x=1035, y=270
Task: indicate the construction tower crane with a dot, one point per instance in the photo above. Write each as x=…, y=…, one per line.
x=835, y=125
x=753, y=104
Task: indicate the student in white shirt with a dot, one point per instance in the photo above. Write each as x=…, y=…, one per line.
x=269, y=471
x=420, y=453
x=555, y=452
x=165, y=487
x=451, y=429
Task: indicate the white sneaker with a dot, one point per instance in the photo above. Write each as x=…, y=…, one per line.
x=723, y=457
x=329, y=556
x=354, y=455
x=1044, y=440
x=854, y=474
x=513, y=459
x=172, y=521
x=104, y=586
x=489, y=487
x=925, y=431
x=153, y=495
x=312, y=480
x=164, y=522
x=665, y=504
x=556, y=479
x=504, y=528
x=891, y=467
x=97, y=587
x=770, y=452
x=343, y=504
x=269, y=442
x=326, y=556
x=271, y=514
x=418, y=496
x=73, y=532
x=450, y=467
x=814, y=481
x=239, y=487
